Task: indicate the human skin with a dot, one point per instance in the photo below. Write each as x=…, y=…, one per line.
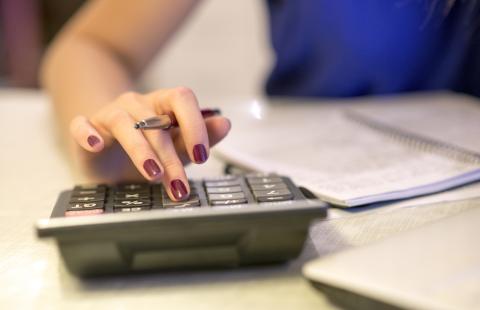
x=89, y=71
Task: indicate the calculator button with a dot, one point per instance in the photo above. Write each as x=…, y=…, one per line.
x=193, y=193
x=260, y=187
x=85, y=205
x=133, y=187
x=88, y=198
x=90, y=187
x=263, y=180
x=133, y=209
x=221, y=178
x=228, y=202
x=88, y=192
x=131, y=196
x=83, y=212
x=183, y=204
x=220, y=190
x=163, y=192
x=156, y=187
x=272, y=193
x=228, y=196
x=157, y=198
x=156, y=195
x=142, y=191
x=274, y=198
x=132, y=203
x=193, y=190
x=226, y=183
x=191, y=199
x=192, y=196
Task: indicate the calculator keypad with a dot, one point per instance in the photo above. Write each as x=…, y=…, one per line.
x=221, y=191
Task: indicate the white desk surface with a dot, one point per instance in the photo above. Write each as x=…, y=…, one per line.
x=32, y=173
x=33, y=170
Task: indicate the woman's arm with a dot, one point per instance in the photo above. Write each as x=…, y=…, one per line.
x=101, y=50
x=89, y=72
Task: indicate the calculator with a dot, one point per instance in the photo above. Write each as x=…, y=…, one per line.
x=227, y=221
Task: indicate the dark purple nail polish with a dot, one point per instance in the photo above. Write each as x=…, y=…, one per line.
x=151, y=168
x=173, y=120
x=93, y=140
x=178, y=189
x=199, y=153
x=210, y=112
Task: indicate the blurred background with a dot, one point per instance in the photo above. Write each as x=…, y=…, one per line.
x=222, y=49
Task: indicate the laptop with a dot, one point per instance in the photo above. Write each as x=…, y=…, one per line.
x=436, y=266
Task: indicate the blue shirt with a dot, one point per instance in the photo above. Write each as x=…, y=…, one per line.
x=332, y=48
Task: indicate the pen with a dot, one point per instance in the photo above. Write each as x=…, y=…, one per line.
x=166, y=121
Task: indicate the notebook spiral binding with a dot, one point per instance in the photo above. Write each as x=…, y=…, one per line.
x=417, y=141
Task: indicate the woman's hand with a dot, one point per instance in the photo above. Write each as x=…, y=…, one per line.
x=110, y=149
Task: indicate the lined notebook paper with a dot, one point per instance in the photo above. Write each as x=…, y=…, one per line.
x=356, y=153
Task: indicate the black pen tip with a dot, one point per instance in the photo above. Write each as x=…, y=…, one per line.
x=136, y=126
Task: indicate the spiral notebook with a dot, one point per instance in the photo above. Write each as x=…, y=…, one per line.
x=357, y=152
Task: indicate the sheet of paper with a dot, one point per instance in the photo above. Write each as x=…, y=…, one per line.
x=340, y=160
x=465, y=192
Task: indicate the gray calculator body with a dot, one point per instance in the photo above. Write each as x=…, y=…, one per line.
x=203, y=236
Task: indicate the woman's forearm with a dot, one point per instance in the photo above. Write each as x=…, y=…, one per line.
x=96, y=56
x=81, y=76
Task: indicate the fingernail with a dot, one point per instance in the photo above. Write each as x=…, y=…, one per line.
x=173, y=120
x=210, y=112
x=151, y=168
x=178, y=189
x=93, y=140
x=199, y=153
